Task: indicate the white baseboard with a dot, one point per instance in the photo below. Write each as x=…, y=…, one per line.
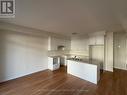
x=120, y=68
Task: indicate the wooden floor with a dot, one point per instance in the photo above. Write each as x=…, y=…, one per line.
x=61, y=83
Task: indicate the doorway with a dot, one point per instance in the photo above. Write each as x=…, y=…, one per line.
x=120, y=50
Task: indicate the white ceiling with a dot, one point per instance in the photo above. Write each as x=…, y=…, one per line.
x=68, y=16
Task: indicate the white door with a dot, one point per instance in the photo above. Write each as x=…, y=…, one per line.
x=120, y=50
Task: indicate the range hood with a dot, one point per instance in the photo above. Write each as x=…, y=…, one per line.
x=61, y=47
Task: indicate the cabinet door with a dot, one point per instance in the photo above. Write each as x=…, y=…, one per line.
x=92, y=40
x=50, y=63
x=100, y=40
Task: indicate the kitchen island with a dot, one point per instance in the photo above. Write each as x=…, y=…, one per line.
x=84, y=70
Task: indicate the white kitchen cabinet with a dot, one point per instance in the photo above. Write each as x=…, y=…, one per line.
x=55, y=42
x=79, y=44
x=84, y=70
x=92, y=40
x=96, y=40
x=53, y=63
x=100, y=39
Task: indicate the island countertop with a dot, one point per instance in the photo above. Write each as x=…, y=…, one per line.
x=86, y=61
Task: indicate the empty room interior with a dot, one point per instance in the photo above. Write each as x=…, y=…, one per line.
x=63, y=47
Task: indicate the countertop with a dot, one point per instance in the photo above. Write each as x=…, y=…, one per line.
x=81, y=60
x=87, y=61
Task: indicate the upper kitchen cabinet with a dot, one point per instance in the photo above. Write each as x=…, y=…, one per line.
x=54, y=42
x=79, y=43
x=92, y=40
x=96, y=38
x=100, y=39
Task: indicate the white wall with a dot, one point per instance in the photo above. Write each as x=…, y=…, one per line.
x=21, y=54
x=23, y=51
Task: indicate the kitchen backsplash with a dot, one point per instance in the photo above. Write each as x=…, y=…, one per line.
x=79, y=54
